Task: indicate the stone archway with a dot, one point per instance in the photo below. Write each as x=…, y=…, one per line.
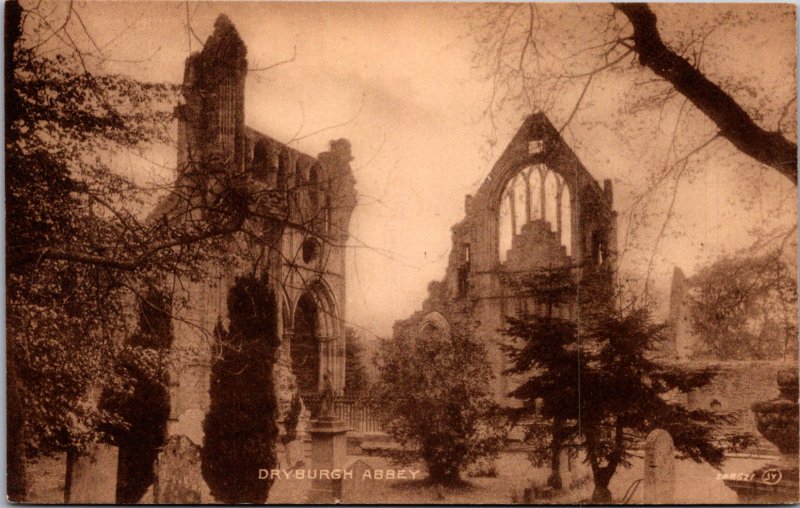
x=305, y=347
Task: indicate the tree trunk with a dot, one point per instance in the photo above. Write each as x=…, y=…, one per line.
x=554, y=480
x=733, y=122
x=443, y=474
x=15, y=439
x=17, y=476
x=602, y=477
x=601, y=494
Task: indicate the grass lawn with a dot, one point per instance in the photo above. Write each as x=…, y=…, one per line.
x=695, y=483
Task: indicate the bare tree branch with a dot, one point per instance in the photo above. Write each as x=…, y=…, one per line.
x=734, y=124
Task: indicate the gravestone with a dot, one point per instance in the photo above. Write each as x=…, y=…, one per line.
x=295, y=454
x=357, y=482
x=92, y=476
x=659, y=468
x=179, y=479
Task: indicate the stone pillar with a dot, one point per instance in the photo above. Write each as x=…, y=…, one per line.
x=659, y=468
x=92, y=476
x=328, y=453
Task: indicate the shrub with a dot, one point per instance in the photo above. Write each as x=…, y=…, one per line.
x=241, y=425
x=436, y=399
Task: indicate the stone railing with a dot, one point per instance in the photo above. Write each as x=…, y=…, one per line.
x=358, y=413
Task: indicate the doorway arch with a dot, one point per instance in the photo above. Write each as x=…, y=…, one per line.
x=305, y=347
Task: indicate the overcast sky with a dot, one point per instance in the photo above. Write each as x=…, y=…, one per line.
x=400, y=77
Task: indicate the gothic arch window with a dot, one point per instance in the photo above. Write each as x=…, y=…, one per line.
x=507, y=225
x=434, y=324
x=315, y=322
x=565, y=226
x=599, y=248
x=535, y=193
x=305, y=348
x=551, y=184
x=313, y=187
x=261, y=161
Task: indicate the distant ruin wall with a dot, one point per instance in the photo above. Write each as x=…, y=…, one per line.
x=737, y=386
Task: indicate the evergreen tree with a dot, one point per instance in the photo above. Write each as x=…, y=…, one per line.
x=599, y=371
x=544, y=350
x=624, y=393
x=241, y=425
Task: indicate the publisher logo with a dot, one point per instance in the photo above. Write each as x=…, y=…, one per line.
x=771, y=476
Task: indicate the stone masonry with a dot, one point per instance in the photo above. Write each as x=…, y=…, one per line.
x=301, y=253
x=538, y=208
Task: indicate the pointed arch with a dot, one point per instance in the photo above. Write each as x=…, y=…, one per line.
x=315, y=324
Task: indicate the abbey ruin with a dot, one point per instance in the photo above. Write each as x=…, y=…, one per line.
x=306, y=224
x=291, y=237
x=539, y=207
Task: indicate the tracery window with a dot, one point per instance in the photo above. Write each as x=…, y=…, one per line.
x=535, y=194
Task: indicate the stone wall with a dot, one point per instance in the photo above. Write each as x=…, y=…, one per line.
x=305, y=204
x=738, y=385
x=477, y=269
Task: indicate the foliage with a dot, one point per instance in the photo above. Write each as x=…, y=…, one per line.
x=745, y=308
x=445, y=377
x=240, y=428
x=607, y=380
x=483, y=467
x=143, y=404
x=356, y=380
x=544, y=351
x=624, y=394
x=63, y=123
x=79, y=240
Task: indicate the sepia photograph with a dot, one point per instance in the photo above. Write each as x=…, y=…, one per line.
x=401, y=253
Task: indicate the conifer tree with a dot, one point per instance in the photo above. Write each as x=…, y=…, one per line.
x=240, y=429
x=608, y=379
x=545, y=353
x=625, y=393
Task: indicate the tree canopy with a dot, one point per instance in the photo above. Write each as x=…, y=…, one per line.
x=598, y=378
x=81, y=245
x=443, y=374
x=64, y=311
x=745, y=307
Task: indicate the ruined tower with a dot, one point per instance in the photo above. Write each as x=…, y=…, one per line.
x=303, y=214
